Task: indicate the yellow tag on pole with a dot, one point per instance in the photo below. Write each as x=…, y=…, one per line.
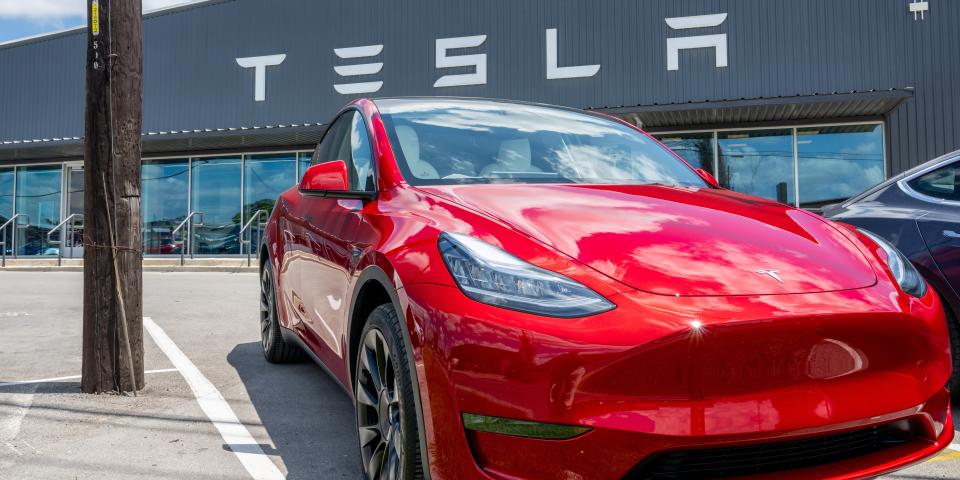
x=95, y=17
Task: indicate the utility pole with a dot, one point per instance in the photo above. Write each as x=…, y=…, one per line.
x=112, y=268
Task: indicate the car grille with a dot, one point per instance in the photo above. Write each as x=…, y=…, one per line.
x=769, y=457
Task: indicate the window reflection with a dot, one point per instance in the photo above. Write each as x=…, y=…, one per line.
x=265, y=177
x=216, y=193
x=758, y=162
x=304, y=159
x=838, y=162
x=6, y=202
x=695, y=148
x=38, y=195
x=163, y=203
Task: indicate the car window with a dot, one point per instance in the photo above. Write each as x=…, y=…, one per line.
x=942, y=183
x=347, y=140
x=463, y=141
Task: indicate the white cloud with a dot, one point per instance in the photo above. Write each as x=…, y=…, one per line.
x=54, y=12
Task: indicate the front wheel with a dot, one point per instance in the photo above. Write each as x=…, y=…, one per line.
x=386, y=414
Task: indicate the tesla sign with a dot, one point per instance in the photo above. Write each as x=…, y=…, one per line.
x=476, y=63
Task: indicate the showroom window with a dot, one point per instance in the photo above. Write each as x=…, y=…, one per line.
x=38, y=191
x=758, y=162
x=809, y=166
x=163, y=192
x=227, y=190
x=696, y=148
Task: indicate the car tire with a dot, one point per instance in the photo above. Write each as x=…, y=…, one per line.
x=275, y=348
x=387, y=425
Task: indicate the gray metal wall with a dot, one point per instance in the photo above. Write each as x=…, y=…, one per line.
x=776, y=48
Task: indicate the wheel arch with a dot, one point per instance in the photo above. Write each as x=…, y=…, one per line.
x=374, y=288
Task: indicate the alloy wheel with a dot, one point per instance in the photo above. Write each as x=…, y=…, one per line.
x=378, y=410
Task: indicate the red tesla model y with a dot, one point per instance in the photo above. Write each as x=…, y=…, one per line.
x=518, y=291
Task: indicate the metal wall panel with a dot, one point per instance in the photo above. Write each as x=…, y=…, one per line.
x=777, y=48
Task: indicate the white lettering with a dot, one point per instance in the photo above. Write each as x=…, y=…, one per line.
x=366, y=51
x=478, y=61
x=718, y=41
x=260, y=64
x=555, y=72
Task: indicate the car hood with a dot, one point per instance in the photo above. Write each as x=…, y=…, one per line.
x=677, y=240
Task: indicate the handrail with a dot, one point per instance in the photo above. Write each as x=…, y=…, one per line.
x=63, y=236
x=189, y=238
x=3, y=232
x=256, y=216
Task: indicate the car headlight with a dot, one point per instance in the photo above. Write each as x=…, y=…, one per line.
x=490, y=275
x=904, y=272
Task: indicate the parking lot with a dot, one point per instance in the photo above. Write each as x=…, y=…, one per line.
x=300, y=423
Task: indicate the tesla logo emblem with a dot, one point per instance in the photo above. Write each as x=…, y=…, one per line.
x=773, y=273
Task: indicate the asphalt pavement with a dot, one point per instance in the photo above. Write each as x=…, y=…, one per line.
x=294, y=414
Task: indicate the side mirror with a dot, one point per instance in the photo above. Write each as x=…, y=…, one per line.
x=327, y=177
x=707, y=177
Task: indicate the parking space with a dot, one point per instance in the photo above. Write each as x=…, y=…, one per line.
x=299, y=419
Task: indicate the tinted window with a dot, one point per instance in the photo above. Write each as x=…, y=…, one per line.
x=943, y=183
x=463, y=141
x=347, y=140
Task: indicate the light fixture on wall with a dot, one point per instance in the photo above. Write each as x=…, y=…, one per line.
x=919, y=9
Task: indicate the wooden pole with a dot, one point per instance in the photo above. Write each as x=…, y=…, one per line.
x=112, y=269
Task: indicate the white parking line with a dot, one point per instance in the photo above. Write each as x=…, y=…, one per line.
x=235, y=434
x=72, y=377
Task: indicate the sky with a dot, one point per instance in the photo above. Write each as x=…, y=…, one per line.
x=24, y=18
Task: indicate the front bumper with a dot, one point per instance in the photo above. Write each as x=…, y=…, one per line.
x=659, y=374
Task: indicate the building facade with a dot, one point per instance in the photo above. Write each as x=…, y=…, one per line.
x=806, y=102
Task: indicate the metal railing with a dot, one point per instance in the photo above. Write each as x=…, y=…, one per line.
x=66, y=236
x=186, y=236
x=3, y=235
x=247, y=228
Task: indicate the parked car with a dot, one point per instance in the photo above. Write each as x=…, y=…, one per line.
x=511, y=290
x=918, y=211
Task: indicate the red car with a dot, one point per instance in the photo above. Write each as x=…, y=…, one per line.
x=517, y=291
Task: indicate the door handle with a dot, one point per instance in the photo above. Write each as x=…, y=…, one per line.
x=951, y=234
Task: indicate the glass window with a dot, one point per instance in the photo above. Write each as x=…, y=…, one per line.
x=837, y=162
x=6, y=203
x=164, y=190
x=215, y=191
x=361, y=156
x=943, y=183
x=695, y=148
x=347, y=140
x=38, y=195
x=265, y=177
x=758, y=162
x=305, y=159
x=468, y=141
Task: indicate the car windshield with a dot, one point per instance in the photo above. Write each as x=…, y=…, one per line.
x=454, y=141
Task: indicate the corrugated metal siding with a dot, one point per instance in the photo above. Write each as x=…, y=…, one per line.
x=776, y=48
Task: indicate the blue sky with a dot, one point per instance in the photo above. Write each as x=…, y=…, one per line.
x=24, y=18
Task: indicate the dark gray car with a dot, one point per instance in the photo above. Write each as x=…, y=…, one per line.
x=919, y=212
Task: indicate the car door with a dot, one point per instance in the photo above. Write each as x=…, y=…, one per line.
x=940, y=227
x=334, y=237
